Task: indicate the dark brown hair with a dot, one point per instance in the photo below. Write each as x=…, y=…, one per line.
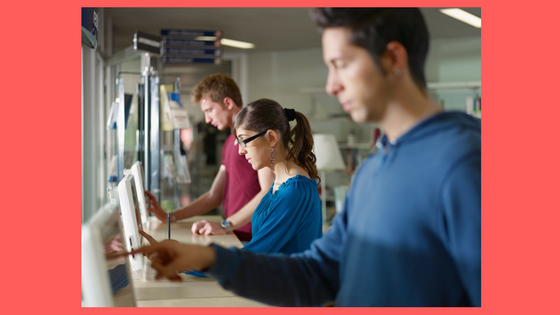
x=217, y=86
x=265, y=114
x=373, y=28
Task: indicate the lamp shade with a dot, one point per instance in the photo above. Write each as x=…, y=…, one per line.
x=327, y=153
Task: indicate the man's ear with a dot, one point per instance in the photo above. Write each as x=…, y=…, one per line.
x=394, y=60
x=228, y=103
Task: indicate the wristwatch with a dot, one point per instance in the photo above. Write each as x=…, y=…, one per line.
x=225, y=224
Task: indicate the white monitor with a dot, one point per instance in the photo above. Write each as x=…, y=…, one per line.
x=132, y=221
x=105, y=283
x=138, y=174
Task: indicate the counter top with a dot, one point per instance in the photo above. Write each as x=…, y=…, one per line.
x=193, y=291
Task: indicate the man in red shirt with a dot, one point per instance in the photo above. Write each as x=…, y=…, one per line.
x=237, y=186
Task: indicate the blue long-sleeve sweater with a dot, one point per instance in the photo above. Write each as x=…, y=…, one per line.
x=409, y=234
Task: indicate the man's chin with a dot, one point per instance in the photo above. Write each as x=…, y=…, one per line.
x=363, y=116
x=357, y=116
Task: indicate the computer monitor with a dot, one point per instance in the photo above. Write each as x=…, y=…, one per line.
x=138, y=173
x=131, y=218
x=105, y=283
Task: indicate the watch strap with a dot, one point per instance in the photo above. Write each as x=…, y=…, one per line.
x=226, y=225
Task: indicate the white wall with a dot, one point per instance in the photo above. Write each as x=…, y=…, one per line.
x=454, y=60
x=280, y=75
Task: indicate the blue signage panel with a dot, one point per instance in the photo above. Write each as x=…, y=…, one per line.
x=190, y=33
x=192, y=51
x=183, y=59
x=180, y=46
x=168, y=42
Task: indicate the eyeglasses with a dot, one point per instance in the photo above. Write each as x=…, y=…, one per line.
x=243, y=143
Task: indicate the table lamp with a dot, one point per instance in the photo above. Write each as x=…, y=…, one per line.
x=328, y=159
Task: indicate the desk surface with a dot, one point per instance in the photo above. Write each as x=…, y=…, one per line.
x=193, y=291
x=181, y=231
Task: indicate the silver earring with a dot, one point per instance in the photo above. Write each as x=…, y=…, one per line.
x=271, y=156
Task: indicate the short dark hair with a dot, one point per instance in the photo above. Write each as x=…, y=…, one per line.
x=374, y=28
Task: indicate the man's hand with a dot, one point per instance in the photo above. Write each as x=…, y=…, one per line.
x=154, y=207
x=152, y=256
x=206, y=228
x=174, y=257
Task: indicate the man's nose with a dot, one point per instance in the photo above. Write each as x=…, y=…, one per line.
x=333, y=85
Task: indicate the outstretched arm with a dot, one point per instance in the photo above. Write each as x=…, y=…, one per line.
x=171, y=257
x=203, y=204
x=241, y=217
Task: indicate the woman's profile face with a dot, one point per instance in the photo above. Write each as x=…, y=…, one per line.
x=257, y=150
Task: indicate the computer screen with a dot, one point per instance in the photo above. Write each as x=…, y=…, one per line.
x=131, y=218
x=105, y=283
x=138, y=173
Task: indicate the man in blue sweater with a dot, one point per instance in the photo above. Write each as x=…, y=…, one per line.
x=409, y=234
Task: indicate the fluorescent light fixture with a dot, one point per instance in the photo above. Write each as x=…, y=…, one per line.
x=237, y=44
x=228, y=42
x=463, y=16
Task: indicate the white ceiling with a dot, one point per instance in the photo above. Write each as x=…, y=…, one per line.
x=268, y=28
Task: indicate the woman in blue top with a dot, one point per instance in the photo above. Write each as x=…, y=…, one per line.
x=288, y=218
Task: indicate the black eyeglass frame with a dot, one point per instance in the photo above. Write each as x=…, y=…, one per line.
x=243, y=143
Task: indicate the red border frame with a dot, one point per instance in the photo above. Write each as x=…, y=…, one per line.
x=41, y=128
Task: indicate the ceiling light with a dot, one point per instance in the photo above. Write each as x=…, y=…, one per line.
x=237, y=44
x=228, y=42
x=463, y=16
